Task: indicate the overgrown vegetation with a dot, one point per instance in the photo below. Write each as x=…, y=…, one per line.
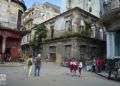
x=84, y=33
x=40, y=34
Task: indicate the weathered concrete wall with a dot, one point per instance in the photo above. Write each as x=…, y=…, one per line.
x=74, y=21
x=60, y=49
x=9, y=14
x=37, y=14
x=85, y=5
x=81, y=48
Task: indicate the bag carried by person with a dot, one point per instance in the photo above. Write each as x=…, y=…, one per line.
x=29, y=62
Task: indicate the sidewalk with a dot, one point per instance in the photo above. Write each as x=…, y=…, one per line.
x=11, y=64
x=105, y=75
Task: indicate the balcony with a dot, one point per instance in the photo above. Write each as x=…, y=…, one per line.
x=9, y=25
x=111, y=6
x=27, y=19
x=111, y=13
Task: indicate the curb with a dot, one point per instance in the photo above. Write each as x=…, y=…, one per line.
x=107, y=77
x=11, y=65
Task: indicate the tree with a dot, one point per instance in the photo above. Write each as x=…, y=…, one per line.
x=40, y=34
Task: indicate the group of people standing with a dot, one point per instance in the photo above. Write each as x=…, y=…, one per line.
x=99, y=65
x=75, y=65
x=36, y=62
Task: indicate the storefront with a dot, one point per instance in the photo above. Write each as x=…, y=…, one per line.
x=9, y=44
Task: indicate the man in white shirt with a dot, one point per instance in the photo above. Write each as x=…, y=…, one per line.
x=80, y=65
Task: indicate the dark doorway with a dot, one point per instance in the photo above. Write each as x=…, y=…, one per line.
x=7, y=54
x=0, y=44
x=53, y=57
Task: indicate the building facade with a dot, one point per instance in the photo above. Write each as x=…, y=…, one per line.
x=92, y=6
x=35, y=15
x=74, y=33
x=112, y=23
x=10, y=23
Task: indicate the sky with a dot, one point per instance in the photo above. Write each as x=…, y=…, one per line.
x=29, y=3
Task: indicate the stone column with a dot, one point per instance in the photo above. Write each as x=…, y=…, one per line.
x=59, y=56
x=74, y=49
x=3, y=47
x=3, y=44
x=110, y=45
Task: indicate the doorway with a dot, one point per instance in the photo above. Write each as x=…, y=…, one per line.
x=7, y=54
x=53, y=57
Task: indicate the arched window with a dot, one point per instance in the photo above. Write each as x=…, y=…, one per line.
x=90, y=9
x=52, y=31
x=19, y=19
x=68, y=25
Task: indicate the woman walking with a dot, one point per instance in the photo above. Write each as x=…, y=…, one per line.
x=29, y=65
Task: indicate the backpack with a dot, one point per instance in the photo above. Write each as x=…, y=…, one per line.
x=29, y=62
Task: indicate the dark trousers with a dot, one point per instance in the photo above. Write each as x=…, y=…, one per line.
x=37, y=70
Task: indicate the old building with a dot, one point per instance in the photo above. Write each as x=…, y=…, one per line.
x=111, y=20
x=102, y=7
x=10, y=23
x=92, y=6
x=74, y=33
x=37, y=14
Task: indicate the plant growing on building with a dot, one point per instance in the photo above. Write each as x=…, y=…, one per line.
x=39, y=35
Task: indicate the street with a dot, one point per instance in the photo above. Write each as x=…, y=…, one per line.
x=52, y=75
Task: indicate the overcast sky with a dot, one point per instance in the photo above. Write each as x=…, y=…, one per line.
x=29, y=3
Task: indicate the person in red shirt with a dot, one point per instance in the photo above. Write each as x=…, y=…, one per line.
x=73, y=66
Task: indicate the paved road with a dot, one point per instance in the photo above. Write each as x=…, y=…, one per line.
x=53, y=75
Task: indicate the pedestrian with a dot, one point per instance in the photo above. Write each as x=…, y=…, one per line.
x=0, y=56
x=93, y=66
x=10, y=59
x=73, y=66
x=98, y=64
x=47, y=59
x=37, y=63
x=29, y=65
x=80, y=65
